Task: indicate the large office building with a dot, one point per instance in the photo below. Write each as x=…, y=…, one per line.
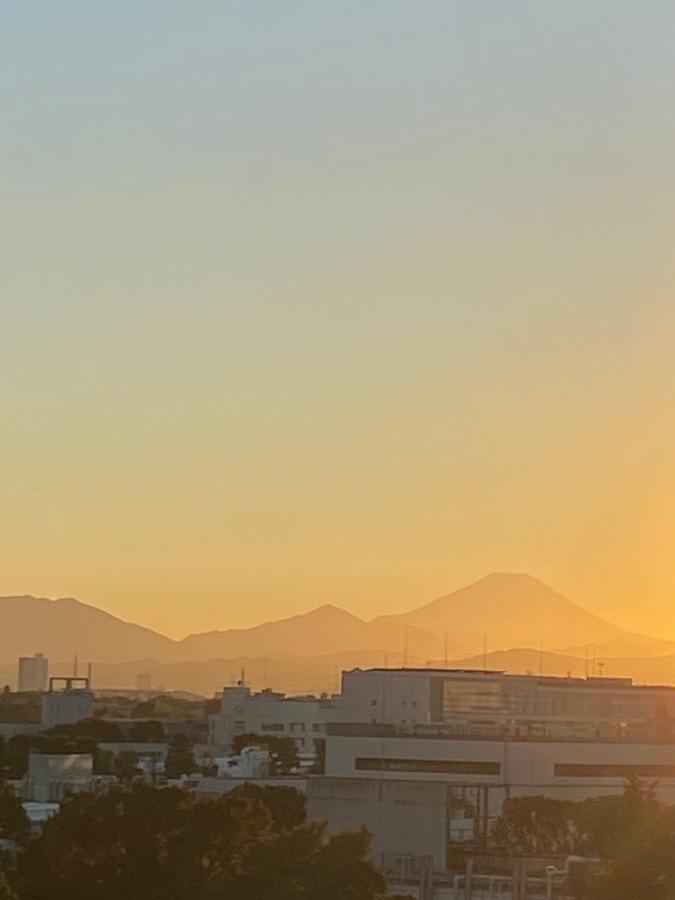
x=425, y=758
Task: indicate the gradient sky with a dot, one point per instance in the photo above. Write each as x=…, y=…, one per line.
x=348, y=302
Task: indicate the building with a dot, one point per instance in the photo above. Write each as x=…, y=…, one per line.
x=494, y=703
x=51, y=775
x=304, y=719
x=425, y=758
x=67, y=701
x=33, y=673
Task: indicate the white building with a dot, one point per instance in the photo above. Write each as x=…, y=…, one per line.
x=51, y=775
x=304, y=719
x=426, y=758
x=71, y=703
x=33, y=672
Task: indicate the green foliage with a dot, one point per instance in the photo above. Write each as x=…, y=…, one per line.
x=303, y=863
x=179, y=757
x=283, y=750
x=536, y=826
x=139, y=842
x=285, y=804
x=636, y=838
x=17, y=748
x=151, y=732
x=14, y=823
x=604, y=822
x=6, y=892
x=125, y=765
x=630, y=832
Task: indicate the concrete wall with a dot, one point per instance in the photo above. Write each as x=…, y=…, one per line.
x=66, y=707
x=385, y=696
x=525, y=766
x=404, y=817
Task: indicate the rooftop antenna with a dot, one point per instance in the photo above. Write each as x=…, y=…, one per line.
x=445, y=649
x=601, y=667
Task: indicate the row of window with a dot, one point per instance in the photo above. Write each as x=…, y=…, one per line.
x=472, y=767
x=294, y=727
x=436, y=766
x=402, y=703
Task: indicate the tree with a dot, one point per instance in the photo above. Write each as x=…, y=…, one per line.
x=179, y=757
x=605, y=822
x=283, y=750
x=136, y=842
x=286, y=805
x=14, y=823
x=125, y=765
x=303, y=863
x=151, y=732
x=6, y=892
x=535, y=825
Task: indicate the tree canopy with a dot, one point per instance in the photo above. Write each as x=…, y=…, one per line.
x=136, y=842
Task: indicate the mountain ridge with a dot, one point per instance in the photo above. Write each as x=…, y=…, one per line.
x=511, y=609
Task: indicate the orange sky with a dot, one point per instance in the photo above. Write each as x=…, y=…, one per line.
x=332, y=306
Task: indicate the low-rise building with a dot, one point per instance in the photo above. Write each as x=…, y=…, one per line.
x=51, y=776
x=68, y=700
x=304, y=719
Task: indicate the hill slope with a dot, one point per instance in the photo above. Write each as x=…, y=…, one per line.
x=62, y=628
x=326, y=629
x=511, y=611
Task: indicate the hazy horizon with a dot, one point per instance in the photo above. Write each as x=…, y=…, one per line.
x=348, y=304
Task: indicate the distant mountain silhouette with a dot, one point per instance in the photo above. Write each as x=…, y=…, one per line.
x=63, y=628
x=327, y=629
x=510, y=611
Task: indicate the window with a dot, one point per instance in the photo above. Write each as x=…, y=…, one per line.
x=297, y=726
x=373, y=702
x=436, y=766
x=612, y=770
x=272, y=726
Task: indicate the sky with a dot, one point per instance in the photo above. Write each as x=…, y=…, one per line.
x=340, y=302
